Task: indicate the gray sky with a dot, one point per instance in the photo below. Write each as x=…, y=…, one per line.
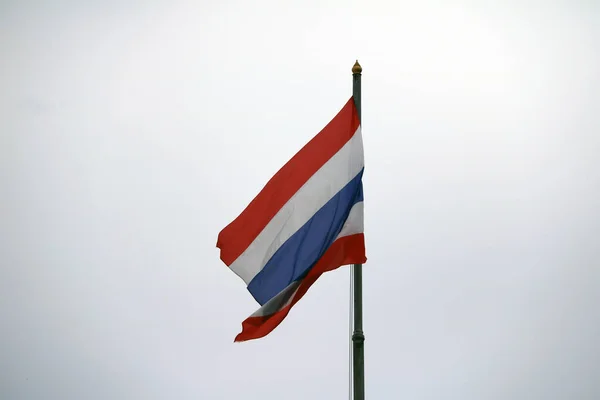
x=131, y=133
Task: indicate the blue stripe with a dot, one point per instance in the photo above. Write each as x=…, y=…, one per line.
x=304, y=248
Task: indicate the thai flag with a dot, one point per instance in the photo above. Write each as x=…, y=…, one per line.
x=307, y=220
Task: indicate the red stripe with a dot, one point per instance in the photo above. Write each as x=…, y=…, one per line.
x=344, y=251
x=239, y=234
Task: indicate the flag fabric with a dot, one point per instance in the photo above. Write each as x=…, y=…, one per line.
x=308, y=219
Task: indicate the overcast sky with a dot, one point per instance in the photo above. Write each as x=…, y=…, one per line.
x=132, y=132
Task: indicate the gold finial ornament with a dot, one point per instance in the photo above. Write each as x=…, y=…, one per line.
x=356, y=69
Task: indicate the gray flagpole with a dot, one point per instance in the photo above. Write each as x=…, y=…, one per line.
x=358, y=337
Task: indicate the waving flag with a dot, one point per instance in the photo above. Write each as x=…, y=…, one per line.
x=307, y=220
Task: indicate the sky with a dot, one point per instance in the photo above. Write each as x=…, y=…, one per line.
x=132, y=132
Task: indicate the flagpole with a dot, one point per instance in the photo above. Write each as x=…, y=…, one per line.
x=358, y=337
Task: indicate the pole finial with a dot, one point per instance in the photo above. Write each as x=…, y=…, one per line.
x=356, y=69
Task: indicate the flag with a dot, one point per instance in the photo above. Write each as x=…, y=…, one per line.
x=308, y=219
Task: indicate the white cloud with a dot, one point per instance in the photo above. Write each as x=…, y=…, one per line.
x=131, y=134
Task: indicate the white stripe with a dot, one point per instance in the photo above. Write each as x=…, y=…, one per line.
x=355, y=222
x=314, y=194
x=280, y=301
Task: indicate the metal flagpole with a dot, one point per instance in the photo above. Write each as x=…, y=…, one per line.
x=358, y=337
